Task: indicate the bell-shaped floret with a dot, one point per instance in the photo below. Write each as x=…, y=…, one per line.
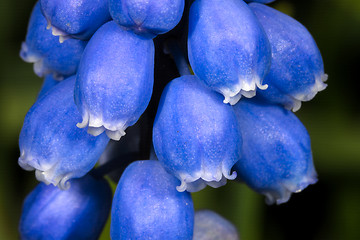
x=50, y=142
x=228, y=49
x=297, y=70
x=146, y=205
x=209, y=225
x=48, y=83
x=147, y=17
x=75, y=18
x=46, y=52
x=276, y=156
x=195, y=136
x=114, y=81
x=77, y=213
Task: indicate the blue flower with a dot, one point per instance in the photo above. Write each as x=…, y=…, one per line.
x=260, y=1
x=50, y=142
x=48, y=83
x=114, y=81
x=276, y=155
x=77, y=213
x=195, y=135
x=46, y=52
x=297, y=70
x=146, y=205
x=209, y=225
x=75, y=18
x=147, y=17
x=228, y=49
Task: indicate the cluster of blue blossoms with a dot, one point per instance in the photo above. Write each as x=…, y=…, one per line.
x=230, y=120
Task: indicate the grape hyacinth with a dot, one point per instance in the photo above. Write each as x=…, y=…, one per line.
x=113, y=69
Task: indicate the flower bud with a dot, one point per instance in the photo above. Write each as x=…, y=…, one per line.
x=276, y=155
x=228, y=49
x=146, y=205
x=114, y=81
x=195, y=135
x=77, y=213
x=147, y=17
x=46, y=52
x=297, y=69
x=209, y=225
x=75, y=18
x=50, y=142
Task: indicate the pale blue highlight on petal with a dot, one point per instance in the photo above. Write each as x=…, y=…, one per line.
x=147, y=205
x=276, y=155
x=114, y=81
x=195, y=135
x=77, y=213
x=297, y=70
x=227, y=48
x=50, y=142
x=147, y=17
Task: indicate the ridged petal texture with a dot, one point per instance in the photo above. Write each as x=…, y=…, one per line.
x=75, y=18
x=147, y=205
x=211, y=226
x=78, y=213
x=195, y=136
x=276, y=159
x=227, y=47
x=46, y=52
x=297, y=70
x=147, y=17
x=50, y=142
x=115, y=80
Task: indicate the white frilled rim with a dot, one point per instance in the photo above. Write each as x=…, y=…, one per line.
x=318, y=86
x=45, y=173
x=97, y=126
x=199, y=180
x=57, y=32
x=242, y=88
x=287, y=188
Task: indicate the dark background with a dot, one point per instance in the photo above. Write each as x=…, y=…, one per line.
x=328, y=210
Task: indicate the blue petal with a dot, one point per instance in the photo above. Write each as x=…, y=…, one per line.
x=195, y=135
x=228, y=49
x=77, y=213
x=48, y=83
x=297, y=70
x=115, y=80
x=146, y=205
x=46, y=52
x=211, y=226
x=147, y=18
x=75, y=18
x=277, y=158
x=50, y=142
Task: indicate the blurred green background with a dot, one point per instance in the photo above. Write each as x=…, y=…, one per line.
x=328, y=210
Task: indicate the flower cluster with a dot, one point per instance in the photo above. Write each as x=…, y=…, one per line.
x=230, y=120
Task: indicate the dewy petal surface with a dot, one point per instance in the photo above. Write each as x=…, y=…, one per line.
x=227, y=48
x=276, y=159
x=77, y=213
x=46, y=52
x=114, y=81
x=50, y=142
x=75, y=18
x=195, y=135
x=147, y=17
x=147, y=205
x=297, y=69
